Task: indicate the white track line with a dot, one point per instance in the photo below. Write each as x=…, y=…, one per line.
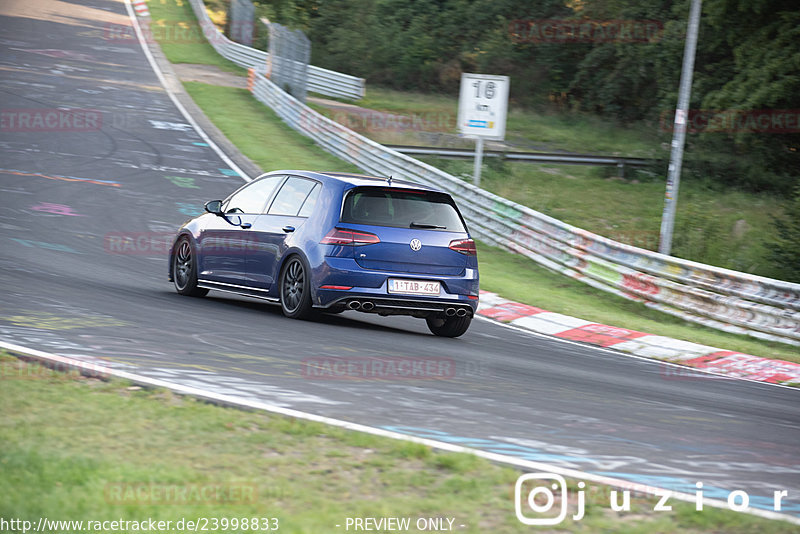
x=93, y=369
x=228, y=161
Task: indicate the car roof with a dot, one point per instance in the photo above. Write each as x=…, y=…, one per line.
x=356, y=179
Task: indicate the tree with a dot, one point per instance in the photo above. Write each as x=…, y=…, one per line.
x=786, y=250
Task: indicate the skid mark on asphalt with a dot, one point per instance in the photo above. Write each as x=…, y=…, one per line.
x=55, y=209
x=45, y=245
x=183, y=181
x=49, y=321
x=227, y=385
x=62, y=178
x=41, y=338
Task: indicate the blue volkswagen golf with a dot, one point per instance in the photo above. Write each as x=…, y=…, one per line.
x=331, y=242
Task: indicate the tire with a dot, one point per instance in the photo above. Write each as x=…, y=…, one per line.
x=184, y=269
x=295, y=289
x=448, y=326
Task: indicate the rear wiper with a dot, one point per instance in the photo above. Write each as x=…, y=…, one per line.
x=428, y=226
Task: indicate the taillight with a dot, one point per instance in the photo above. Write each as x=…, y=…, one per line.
x=340, y=288
x=339, y=236
x=464, y=246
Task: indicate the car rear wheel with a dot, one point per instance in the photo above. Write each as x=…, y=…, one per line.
x=295, y=290
x=448, y=326
x=184, y=270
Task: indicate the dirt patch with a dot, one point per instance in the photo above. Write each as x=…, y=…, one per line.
x=210, y=74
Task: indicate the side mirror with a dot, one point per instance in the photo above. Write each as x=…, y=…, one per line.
x=215, y=207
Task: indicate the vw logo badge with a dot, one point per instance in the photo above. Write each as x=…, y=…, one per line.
x=415, y=244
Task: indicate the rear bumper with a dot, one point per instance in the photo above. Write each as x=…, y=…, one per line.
x=371, y=286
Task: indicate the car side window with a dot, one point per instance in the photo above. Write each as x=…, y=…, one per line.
x=290, y=198
x=253, y=197
x=311, y=202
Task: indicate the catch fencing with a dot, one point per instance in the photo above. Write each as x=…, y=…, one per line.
x=322, y=81
x=289, y=52
x=240, y=21
x=719, y=298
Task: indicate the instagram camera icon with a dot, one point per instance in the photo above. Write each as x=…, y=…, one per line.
x=556, y=482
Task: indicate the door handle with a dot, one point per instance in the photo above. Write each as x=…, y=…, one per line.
x=288, y=229
x=245, y=225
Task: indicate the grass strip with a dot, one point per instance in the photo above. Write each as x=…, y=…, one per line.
x=174, y=26
x=77, y=448
x=259, y=133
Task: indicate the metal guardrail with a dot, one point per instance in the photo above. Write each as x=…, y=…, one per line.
x=332, y=83
x=723, y=299
x=539, y=157
x=322, y=81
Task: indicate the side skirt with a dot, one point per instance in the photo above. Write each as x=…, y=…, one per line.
x=238, y=290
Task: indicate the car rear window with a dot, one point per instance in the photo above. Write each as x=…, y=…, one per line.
x=402, y=208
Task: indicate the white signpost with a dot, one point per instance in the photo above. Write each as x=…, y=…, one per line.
x=482, y=107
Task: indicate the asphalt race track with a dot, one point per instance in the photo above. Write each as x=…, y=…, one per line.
x=122, y=161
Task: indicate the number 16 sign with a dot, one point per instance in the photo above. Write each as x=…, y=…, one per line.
x=482, y=106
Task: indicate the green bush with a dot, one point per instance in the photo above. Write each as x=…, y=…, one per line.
x=786, y=249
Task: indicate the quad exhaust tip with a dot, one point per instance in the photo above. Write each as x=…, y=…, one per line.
x=367, y=306
x=363, y=306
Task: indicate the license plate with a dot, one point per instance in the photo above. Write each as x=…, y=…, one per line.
x=413, y=287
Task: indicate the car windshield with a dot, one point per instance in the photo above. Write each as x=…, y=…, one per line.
x=402, y=208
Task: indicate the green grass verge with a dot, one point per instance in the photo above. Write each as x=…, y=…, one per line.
x=264, y=138
x=259, y=133
x=175, y=27
x=83, y=449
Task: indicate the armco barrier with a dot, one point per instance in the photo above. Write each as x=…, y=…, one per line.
x=322, y=81
x=719, y=298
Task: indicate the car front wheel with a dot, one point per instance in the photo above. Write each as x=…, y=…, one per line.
x=448, y=326
x=184, y=269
